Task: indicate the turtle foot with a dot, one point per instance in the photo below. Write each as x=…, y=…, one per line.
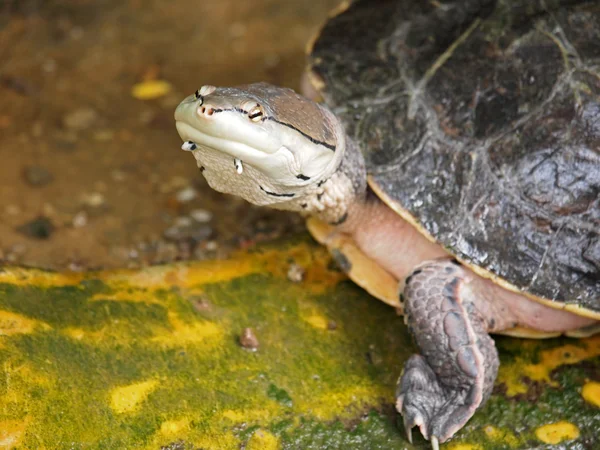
x=438, y=410
x=441, y=388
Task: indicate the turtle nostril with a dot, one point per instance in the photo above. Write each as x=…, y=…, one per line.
x=210, y=112
x=203, y=109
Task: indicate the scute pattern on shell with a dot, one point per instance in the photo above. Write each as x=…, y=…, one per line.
x=482, y=120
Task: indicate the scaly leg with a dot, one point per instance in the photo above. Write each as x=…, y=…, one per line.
x=440, y=389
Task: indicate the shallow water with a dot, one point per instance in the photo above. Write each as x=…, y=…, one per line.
x=91, y=176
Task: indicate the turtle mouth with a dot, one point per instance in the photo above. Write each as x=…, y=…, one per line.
x=194, y=139
x=268, y=159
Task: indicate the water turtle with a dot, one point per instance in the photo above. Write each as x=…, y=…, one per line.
x=453, y=171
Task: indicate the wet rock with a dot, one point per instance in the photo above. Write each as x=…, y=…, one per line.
x=248, y=339
x=165, y=252
x=80, y=220
x=194, y=232
x=37, y=176
x=39, y=228
x=201, y=215
x=18, y=85
x=80, y=119
x=186, y=195
x=200, y=303
x=183, y=222
x=93, y=200
x=295, y=273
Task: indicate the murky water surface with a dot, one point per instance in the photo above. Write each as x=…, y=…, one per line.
x=90, y=175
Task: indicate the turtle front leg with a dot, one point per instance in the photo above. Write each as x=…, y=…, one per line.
x=441, y=388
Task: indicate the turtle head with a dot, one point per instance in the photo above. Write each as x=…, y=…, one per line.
x=261, y=142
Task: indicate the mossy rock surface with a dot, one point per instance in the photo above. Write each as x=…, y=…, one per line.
x=152, y=359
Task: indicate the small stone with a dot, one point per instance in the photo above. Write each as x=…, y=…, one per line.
x=196, y=233
x=201, y=215
x=37, y=176
x=186, y=195
x=76, y=266
x=183, y=222
x=94, y=199
x=80, y=220
x=332, y=325
x=39, y=228
x=80, y=119
x=165, y=253
x=295, y=273
x=248, y=339
x=212, y=246
x=200, y=303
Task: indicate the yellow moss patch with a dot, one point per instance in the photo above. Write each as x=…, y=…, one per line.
x=501, y=435
x=128, y=398
x=75, y=333
x=250, y=415
x=221, y=441
x=32, y=277
x=317, y=321
x=11, y=432
x=125, y=296
x=463, y=446
x=555, y=433
x=341, y=404
x=262, y=440
x=173, y=427
x=183, y=333
x=188, y=275
x=511, y=374
x=591, y=393
x=151, y=89
x=11, y=323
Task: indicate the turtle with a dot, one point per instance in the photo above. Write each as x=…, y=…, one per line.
x=448, y=155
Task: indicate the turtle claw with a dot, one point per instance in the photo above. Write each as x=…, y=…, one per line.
x=408, y=431
x=435, y=444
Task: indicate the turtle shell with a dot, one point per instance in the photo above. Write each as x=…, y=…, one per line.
x=480, y=124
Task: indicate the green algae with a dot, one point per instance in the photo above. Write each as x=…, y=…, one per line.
x=151, y=359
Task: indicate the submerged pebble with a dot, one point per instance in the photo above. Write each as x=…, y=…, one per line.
x=37, y=176
x=201, y=215
x=187, y=194
x=38, y=228
x=248, y=339
x=80, y=119
x=295, y=273
x=80, y=219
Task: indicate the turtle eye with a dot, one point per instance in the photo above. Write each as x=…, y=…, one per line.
x=255, y=113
